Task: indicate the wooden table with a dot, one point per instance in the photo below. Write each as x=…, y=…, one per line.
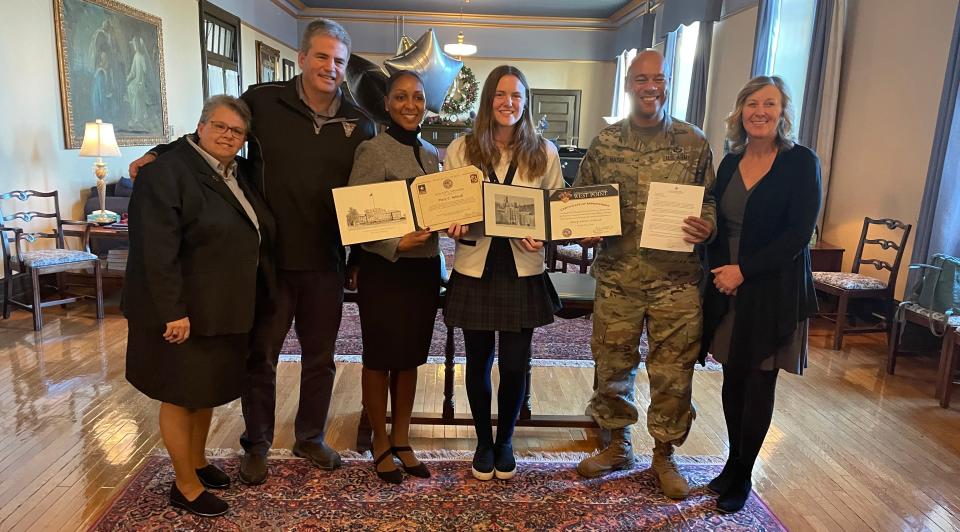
x=576, y=291
x=112, y=278
x=826, y=257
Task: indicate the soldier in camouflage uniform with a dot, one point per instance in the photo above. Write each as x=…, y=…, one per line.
x=637, y=286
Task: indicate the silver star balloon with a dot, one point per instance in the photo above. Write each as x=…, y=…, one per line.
x=435, y=68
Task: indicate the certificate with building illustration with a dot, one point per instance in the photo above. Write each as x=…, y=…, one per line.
x=668, y=204
x=445, y=198
x=366, y=213
x=568, y=213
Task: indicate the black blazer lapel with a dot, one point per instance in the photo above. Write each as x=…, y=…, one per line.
x=209, y=178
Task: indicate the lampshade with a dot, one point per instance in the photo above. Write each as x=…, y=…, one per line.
x=99, y=140
x=460, y=48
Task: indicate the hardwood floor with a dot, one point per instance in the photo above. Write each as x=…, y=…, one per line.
x=850, y=447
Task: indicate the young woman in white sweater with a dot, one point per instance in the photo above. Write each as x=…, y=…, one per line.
x=499, y=285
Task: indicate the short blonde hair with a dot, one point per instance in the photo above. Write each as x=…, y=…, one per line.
x=737, y=135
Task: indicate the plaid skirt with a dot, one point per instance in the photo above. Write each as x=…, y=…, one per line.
x=500, y=300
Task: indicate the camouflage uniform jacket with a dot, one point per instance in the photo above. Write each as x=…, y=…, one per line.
x=678, y=153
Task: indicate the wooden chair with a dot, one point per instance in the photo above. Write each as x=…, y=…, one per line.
x=42, y=261
x=949, y=365
x=569, y=252
x=918, y=315
x=854, y=285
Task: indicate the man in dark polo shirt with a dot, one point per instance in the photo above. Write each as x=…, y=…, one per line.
x=302, y=144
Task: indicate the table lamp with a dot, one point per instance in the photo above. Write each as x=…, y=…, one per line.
x=99, y=141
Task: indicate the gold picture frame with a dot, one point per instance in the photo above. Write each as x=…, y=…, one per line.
x=110, y=59
x=268, y=63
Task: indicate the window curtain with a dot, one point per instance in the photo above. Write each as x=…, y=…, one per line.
x=697, y=102
x=620, y=105
x=822, y=89
x=766, y=19
x=938, y=228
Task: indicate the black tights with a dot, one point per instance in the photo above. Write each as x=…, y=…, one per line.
x=514, y=358
x=748, y=396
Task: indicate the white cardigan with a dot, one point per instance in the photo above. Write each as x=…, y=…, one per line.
x=470, y=260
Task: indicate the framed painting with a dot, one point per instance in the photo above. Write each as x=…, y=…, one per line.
x=268, y=63
x=289, y=70
x=110, y=57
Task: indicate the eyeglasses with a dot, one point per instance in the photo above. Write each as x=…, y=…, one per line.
x=220, y=128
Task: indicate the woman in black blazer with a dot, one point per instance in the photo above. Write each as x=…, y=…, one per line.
x=199, y=260
x=761, y=295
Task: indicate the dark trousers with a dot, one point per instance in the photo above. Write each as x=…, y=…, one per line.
x=514, y=356
x=748, y=397
x=315, y=299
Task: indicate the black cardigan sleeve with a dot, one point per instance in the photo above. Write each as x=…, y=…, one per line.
x=802, y=211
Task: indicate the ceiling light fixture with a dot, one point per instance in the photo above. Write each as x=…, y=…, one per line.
x=460, y=48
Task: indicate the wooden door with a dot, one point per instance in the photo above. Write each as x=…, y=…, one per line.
x=562, y=110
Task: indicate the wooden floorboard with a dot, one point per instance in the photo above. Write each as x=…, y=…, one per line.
x=850, y=447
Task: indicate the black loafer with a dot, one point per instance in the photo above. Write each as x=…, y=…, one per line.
x=205, y=505
x=420, y=470
x=482, y=467
x=504, y=463
x=320, y=454
x=735, y=497
x=722, y=481
x=253, y=469
x=213, y=477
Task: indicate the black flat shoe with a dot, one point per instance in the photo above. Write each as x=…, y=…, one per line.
x=504, y=464
x=213, y=477
x=205, y=505
x=482, y=467
x=735, y=497
x=722, y=481
x=420, y=470
x=393, y=477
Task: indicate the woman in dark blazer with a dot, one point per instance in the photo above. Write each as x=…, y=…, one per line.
x=199, y=260
x=761, y=295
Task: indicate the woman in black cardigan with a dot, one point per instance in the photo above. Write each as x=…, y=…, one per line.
x=756, y=308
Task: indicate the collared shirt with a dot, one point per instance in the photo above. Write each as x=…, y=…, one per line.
x=319, y=119
x=229, y=175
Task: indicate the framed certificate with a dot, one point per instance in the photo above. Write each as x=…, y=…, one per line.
x=583, y=212
x=445, y=198
x=378, y=211
x=569, y=213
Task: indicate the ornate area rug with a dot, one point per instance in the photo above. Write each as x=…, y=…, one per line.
x=546, y=494
x=562, y=343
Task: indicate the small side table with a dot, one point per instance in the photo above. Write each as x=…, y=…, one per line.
x=826, y=257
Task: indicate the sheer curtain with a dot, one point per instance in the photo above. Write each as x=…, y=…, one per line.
x=620, y=107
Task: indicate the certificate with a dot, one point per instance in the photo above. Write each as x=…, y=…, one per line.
x=569, y=213
x=583, y=212
x=366, y=213
x=445, y=198
x=667, y=206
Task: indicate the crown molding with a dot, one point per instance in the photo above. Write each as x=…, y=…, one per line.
x=622, y=16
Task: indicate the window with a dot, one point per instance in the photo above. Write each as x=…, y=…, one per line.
x=682, y=69
x=621, y=99
x=221, y=52
x=790, y=40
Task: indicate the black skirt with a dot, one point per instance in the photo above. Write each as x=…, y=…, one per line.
x=203, y=372
x=500, y=300
x=398, y=309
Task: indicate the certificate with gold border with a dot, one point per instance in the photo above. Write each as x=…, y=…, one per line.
x=583, y=212
x=449, y=197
